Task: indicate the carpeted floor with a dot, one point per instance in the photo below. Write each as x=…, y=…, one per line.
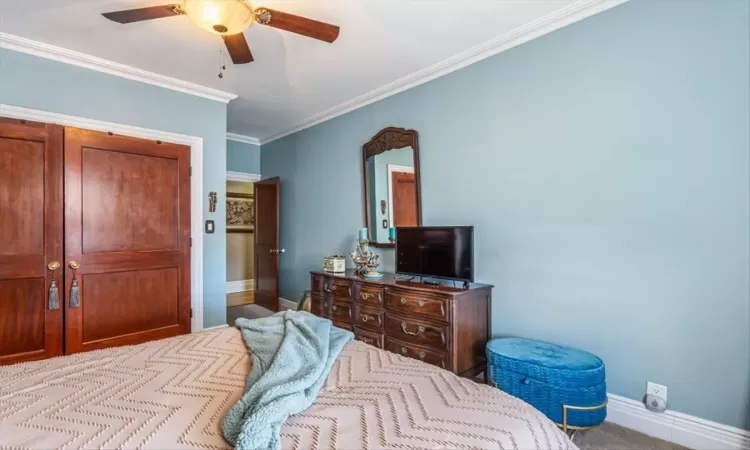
x=606, y=437
x=609, y=436
x=248, y=311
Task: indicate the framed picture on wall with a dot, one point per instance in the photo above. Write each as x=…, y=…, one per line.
x=240, y=213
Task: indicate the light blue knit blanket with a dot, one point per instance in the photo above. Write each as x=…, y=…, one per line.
x=292, y=353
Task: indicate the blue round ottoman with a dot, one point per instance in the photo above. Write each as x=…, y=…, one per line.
x=565, y=384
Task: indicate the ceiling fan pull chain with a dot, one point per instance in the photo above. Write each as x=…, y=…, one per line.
x=222, y=67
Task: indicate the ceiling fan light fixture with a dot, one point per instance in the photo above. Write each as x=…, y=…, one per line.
x=223, y=17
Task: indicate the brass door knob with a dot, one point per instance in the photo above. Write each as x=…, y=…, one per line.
x=54, y=265
x=74, y=265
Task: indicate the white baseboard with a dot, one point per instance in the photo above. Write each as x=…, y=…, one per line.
x=240, y=286
x=285, y=304
x=682, y=429
x=217, y=327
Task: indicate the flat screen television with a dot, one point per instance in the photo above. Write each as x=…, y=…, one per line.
x=436, y=252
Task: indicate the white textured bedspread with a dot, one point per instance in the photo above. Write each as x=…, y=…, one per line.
x=173, y=393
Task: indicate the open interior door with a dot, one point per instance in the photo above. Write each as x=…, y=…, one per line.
x=266, y=235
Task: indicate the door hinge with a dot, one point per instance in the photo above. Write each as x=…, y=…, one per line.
x=191, y=242
x=191, y=171
x=191, y=313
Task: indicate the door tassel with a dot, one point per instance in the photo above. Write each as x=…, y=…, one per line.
x=75, y=296
x=54, y=297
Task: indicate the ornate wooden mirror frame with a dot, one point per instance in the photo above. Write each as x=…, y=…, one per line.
x=388, y=139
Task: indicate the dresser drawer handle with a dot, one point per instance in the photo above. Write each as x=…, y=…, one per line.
x=421, y=355
x=366, y=318
x=327, y=288
x=325, y=304
x=366, y=295
x=420, y=303
x=366, y=340
x=403, y=350
x=411, y=333
x=403, y=301
x=335, y=307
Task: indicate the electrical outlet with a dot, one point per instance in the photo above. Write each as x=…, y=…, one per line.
x=656, y=389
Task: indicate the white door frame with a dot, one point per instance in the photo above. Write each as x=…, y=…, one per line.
x=394, y=168
x=241, y=285
x=196, y=182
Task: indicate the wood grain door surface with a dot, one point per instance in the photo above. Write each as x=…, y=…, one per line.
x=31, y=225
x=404, y=199
x=127, y=223
x=266, y=237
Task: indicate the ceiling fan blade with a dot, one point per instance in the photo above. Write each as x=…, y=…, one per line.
x=140, y=14
x=296, y=24
x=238, y=48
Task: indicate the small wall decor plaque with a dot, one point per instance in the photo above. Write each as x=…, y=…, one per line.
x=212, y=202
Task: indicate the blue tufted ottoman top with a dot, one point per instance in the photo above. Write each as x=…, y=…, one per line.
x=544, y=354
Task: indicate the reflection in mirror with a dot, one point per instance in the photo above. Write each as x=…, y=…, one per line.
x=391, y=183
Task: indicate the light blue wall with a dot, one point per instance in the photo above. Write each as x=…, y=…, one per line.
x=605, y=168
x=242, y=157
x=42, y=84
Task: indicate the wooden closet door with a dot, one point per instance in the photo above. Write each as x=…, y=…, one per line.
x=127, y=227
x=31, y=220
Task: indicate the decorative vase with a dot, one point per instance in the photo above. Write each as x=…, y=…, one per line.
x=305, y=303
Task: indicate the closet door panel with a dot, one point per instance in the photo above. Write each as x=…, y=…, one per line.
x=31, y=216
x=128, y=233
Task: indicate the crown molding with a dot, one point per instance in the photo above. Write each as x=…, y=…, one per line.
x=244, y=139
x=532, y=30
x=28, y=46
x=245, y=177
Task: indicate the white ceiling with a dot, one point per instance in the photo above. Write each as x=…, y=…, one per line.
x=294, y=79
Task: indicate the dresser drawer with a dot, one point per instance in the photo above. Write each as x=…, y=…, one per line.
x=370, y=295
x=320, y=305
x=430, y=357
x=343, y=325
x=416, y=332
x=316, y=285
x=341, y=312
x=368, y=337
x=371, y=318
x=338, y=288
x=412, y=303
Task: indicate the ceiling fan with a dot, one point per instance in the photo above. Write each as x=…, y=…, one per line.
x=229, y=19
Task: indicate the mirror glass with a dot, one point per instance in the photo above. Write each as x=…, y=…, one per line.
x=391, y=185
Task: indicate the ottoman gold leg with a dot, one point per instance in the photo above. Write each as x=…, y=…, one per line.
x=566, y=427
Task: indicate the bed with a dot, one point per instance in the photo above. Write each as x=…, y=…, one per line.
x=173, y=393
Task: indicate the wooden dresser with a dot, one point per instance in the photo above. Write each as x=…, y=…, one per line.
x=445, y=326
